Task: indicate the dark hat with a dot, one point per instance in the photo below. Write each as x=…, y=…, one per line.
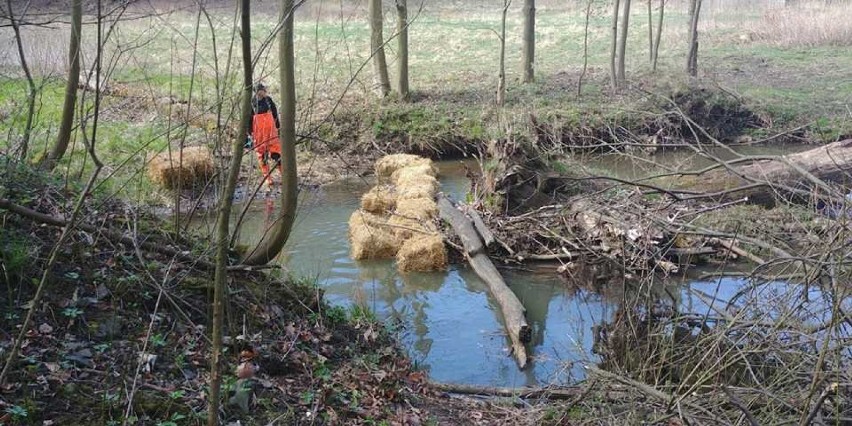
x=259, y=86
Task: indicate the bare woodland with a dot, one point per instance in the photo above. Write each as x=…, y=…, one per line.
x=637, y=152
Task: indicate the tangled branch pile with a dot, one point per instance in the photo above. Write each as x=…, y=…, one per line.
x=397, y=216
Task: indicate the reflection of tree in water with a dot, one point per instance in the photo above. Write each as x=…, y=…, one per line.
x=536, y=299
x=406, y=299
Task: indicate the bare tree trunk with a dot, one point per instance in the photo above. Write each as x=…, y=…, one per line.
x=66, y=126
x=501, y=77
x=650, y=32
x=585, y=47
x=270, y=246
x=614, y=46
x=622, y=45
x=380, y=65
x=656, y=50
x=31, y=96
x=226, y=201
x=528, y=53
x=402, y=43
x=692, y=56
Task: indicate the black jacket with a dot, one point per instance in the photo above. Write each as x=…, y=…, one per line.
x=261, y=106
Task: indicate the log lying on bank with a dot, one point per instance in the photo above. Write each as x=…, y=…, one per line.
x=762, y=180
x=513, y=311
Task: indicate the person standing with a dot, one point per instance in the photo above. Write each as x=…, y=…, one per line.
x=264, y=132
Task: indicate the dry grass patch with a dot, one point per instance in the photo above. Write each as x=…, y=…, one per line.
x=808, y=26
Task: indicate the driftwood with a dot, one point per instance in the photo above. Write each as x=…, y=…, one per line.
x=523, y=393
x=512, y=309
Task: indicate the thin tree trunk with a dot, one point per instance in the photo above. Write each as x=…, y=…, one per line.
x=659, y=35
x=650, y=32
x=71, y=224
x=402, y=43
x=223, y=220
x=501, y=77
x=66, y=126
x=622, y=46
x=31, y=96
x=528, y=53
x=380, y=65
x=614, y=46
x=692, y=56
x=270, y=246
x=585, y=48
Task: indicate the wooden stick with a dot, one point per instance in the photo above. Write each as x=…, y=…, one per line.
x=513, y=311
x=525, y=393
x=734, y=248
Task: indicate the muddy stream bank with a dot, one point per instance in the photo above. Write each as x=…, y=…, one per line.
x=445, y=320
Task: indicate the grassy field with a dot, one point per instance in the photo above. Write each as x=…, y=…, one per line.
x=791, y=65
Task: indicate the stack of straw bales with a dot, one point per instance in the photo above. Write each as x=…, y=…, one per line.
x=397, y=217
x=189, y=168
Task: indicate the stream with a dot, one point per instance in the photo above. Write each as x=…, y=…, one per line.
x=446, y=320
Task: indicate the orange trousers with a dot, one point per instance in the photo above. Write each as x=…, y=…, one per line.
x=266, y=142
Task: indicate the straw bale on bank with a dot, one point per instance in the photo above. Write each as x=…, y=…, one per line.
x=192, y=167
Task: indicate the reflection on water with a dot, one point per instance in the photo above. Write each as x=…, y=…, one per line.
x=449, y=324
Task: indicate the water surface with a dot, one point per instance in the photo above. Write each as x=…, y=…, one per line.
x=448, y=323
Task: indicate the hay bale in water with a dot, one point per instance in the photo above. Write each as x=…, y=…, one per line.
x=388, y=164
x=417, y=208
x=422, y=254
x=379, y=199
x=192, y=167
x=405, y=227
x=371, y=238
x=422, y=186
x=424, y=169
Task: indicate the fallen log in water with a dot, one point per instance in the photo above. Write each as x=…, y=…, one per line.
x=512, y=309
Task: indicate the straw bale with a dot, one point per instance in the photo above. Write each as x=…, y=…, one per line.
x=417, y=187
x=379, y=199
x=405, y=227
x=388, y=164
x=422, y=254
x=417, y=208
x=191, y=169
x=420, y=169
x=371, y=238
